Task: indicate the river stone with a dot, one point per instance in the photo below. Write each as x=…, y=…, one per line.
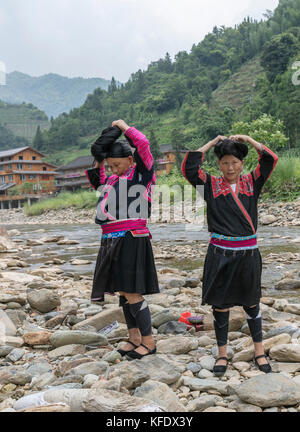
x=13, y=305
x=162, y=317
x=177, y=345
x=5, y=349
x=135, y=372
x=17, y=298
x=194, y=367
x=68, y=242
x=286, y=352
x=207, y=363
x=205, y=373
x=16, y=316
x=94, y=367
x=280, y=304
x=103, y=318
x=68, y=337
x=206, y=384
x=173, y=327
x=286, y=367
x=244, y=355
x=269, y=390
x=7, y=326
x=287, y=284
x=66, y=350
x=43, y=300
x=39, y=367
x=112, y=356
x=14, y=341
x=241, y=406
x=192, y=282
x=37, y=338
x=52, y=239
x=161, y=394
x=282, y=338
x=80, y=262
x=292, y=308
x=65, y=366
x=40, y=382
x=22, y=278
x=89, y=380
x=218, y=409
x=15, y=355
x=90, y=400
x=34, y=242
x=15, y=376
x=291, y=329
x=203, y=402
x=203, y=341
x=267, y=219
x=6, y=244
x=241, y=366
x=112, y=384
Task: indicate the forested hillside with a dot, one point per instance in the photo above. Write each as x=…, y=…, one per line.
x=19, y=123
x=233, y=74
x=52, y=93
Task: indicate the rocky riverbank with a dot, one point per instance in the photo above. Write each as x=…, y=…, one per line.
x=53, y=358
x=272, y=214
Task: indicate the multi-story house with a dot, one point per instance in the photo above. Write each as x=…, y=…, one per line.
x=25, y=164
x=72, y=175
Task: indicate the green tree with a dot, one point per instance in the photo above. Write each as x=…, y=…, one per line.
x=38, y=142
x=266, y=130
x=154, y=146
x=277, y=53
x=177, y=142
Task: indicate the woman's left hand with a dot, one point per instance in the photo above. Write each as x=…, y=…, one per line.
x=241, y=138
x=121, y=125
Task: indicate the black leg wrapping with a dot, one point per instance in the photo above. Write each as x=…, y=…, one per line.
x=254, y=322
x=130, y=320
x=221, y=321
x=141, y=313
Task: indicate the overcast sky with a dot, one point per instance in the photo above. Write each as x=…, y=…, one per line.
x=105, y=38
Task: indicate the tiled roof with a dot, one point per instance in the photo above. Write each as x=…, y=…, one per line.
x=80, y=162
x=4, y=186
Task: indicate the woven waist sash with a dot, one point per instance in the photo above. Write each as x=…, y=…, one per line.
x=125, y=225
x=233, y=242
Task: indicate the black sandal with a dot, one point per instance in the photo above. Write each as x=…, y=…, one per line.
x=124, y=352
x=266, y=368
x=135, y=355
x=220, y=369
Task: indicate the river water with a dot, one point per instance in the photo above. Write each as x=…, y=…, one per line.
x=89, y=237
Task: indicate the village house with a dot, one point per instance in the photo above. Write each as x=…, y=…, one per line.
x=20, y=165
x=72, y=175
x=166, y=163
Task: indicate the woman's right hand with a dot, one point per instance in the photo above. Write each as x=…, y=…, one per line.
x=217, y=139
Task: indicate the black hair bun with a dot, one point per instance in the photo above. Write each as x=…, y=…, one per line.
x=100, y=148
x=230, y=147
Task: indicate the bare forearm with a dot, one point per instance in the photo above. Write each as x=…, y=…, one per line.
x=211, y=144
x=255, y=144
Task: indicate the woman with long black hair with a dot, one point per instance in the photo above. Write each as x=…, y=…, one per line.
x=233, y=265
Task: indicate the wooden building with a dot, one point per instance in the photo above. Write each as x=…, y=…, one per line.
x=72, y=175
x=25, y=164
x=166, y=163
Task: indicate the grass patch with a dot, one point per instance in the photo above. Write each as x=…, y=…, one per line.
x=78, y=200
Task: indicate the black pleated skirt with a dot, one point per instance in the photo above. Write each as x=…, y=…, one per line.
x=231, y=278
x=125, y=264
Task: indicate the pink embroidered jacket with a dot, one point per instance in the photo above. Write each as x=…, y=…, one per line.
x=128, y=196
